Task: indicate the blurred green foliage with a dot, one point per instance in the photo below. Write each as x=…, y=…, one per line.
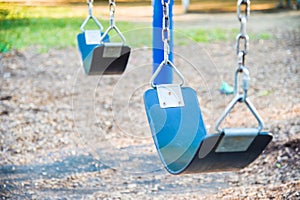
x=43, y=27
x=47, y=27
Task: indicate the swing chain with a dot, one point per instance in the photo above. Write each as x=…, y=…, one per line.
x=241, y=69
x=112, y=9
x=242, y=51
x=166, y=37
x=246, y=81
x=239, y=9
x=243, y=18
x=90, y=4
x=166, y=29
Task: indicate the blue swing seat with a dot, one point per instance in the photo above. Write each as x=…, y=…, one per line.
x=93, y=61
x=96, y=59
x=184, y=146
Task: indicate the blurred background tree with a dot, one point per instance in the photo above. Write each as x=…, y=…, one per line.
x=188, y=5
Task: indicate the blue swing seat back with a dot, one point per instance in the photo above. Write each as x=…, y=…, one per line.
x=177, y=132
x=84, y=48
x=180, y=137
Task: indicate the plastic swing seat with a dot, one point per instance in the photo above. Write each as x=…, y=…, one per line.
x=107, y=58
x=99, y=55
x=180, y=136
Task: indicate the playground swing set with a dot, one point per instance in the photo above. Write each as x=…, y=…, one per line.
x=173, y=111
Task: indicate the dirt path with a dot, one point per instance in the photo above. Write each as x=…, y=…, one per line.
x=68, y=136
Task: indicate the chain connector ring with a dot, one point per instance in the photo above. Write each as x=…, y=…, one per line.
x=246, y=13
x=245, y=38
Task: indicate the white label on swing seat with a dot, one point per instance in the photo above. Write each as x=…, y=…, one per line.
x=92, y=37
x=112, y=50
x=237, y=139
x=169, y=95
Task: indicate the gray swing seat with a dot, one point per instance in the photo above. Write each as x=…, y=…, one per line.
x=107, y=59
x=231, y=150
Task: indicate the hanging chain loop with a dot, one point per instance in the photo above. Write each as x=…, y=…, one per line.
x=240, y=3
x=166, y=29
x=90, y=16
x=242, y=43
x=90, y=5
x=166, y=37
x=243, y=18
x=112, y=9
x=241, y=50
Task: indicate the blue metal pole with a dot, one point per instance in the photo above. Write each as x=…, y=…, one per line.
x=165, y=76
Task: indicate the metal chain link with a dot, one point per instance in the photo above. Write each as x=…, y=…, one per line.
x=241, y=69
x=166, y=37
x=242, y=43
x=90, y=5
x=166, y=29
x=90, y=2
x=243, y=18
x=112, y=9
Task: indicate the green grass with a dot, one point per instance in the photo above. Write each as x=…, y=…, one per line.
x=43, y=32
x=57, y=27
x=204, y=36
x=43, y=27
x=218, y=34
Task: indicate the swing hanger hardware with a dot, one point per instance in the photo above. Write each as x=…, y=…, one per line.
x=166, y=37
x=236, y=99
x=90, y=16
x=242, y=43
x=241, y=51
x=162, y=64
x=112, y=9
x=246, y=82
